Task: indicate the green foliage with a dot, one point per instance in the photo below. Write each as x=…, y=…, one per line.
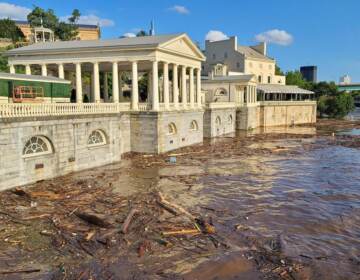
x=278, y=71
x=343, y=105
x=75, y=16
x=3, y=61
x=324, y=88
x=295, y=78
x=9, y=30
x=336, y=106
x=142, y=33
x=62, y=30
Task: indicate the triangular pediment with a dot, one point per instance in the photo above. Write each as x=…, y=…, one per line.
x=183, y=45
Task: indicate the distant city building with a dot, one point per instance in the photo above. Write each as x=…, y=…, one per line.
x=309, y=73
x=85, y=31
x=345, y=80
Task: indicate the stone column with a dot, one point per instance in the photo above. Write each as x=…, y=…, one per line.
x=183, y=86
x=198, y=86
x=28, y=69
x=191, y=87
x=96, y=82
x=43, y=70
x=79, y=97
x=12, y=69
x=135, y=87
x=175, y=86
x=166, y=86
x=115, y=82
x=106, y=87
x=155, y=86
x=61, y=71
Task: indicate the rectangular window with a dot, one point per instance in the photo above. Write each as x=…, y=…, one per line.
x=225, y=55
x=269, y=79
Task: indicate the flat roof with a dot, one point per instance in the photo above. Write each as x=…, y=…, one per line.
x=120, y=43
x=268, y=88
x=34, y=78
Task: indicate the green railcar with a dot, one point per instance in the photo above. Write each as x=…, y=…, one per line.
x=43, y=89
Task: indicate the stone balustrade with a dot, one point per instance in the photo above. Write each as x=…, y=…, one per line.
x=19, y=110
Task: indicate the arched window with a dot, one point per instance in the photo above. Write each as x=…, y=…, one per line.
x=171, y=129
x=230, y=119
x=218, y=121
x=220, y=92
x=97, y=138
x=194, y=125
x=37, y=146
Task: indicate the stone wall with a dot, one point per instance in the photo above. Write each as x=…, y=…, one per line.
x=151, y=132
x=68, y=139
x=287, y=113
x=247, y=117
x=219, y=122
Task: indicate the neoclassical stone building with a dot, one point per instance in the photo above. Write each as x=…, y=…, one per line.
x=175, y=108
x=244, y=77
x=43, y=140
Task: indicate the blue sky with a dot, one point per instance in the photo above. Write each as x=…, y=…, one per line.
x=325, y=33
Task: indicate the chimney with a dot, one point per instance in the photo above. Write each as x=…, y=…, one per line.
x=261, y=48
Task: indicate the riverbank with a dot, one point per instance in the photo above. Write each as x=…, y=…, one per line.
x=282, y=205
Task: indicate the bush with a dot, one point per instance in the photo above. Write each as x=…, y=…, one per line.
x=336, y=106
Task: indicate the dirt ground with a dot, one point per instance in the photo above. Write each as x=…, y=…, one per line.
x=80, y=226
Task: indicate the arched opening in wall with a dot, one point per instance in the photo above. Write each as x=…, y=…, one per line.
x=194, y=126
x=220, y=92
x=218, y=121
x=97, y=138
x=172, y=129
x=37, y=146
x=230, y=119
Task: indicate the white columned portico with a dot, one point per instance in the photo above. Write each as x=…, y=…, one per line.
x=115, y=82
x=134, y=86
x=106, y=87
x=198, y=86
x=78, y=83
x=166, y=86
x=12, y=69
x=27, y=69
x=43, y=70
x=191, y=87
x=175, y=86
x=61, y=71
x=96, y=82
x=183, y=87
x=155, y=86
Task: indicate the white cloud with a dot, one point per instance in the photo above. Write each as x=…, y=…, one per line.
x=276, y=36
x=129, y=35
x=12, y=11
x=215, y=35
x=180, y=9
x=92, y=19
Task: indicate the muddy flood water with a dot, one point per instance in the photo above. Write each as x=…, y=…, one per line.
x=285, y=204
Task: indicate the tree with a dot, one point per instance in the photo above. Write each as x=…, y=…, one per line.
x=324, y=88
x=295, y=78
x=141, y=33
x=39, y=17
x=75, y=16
x=278, y=71
x=62, y=30
x=9, y=30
